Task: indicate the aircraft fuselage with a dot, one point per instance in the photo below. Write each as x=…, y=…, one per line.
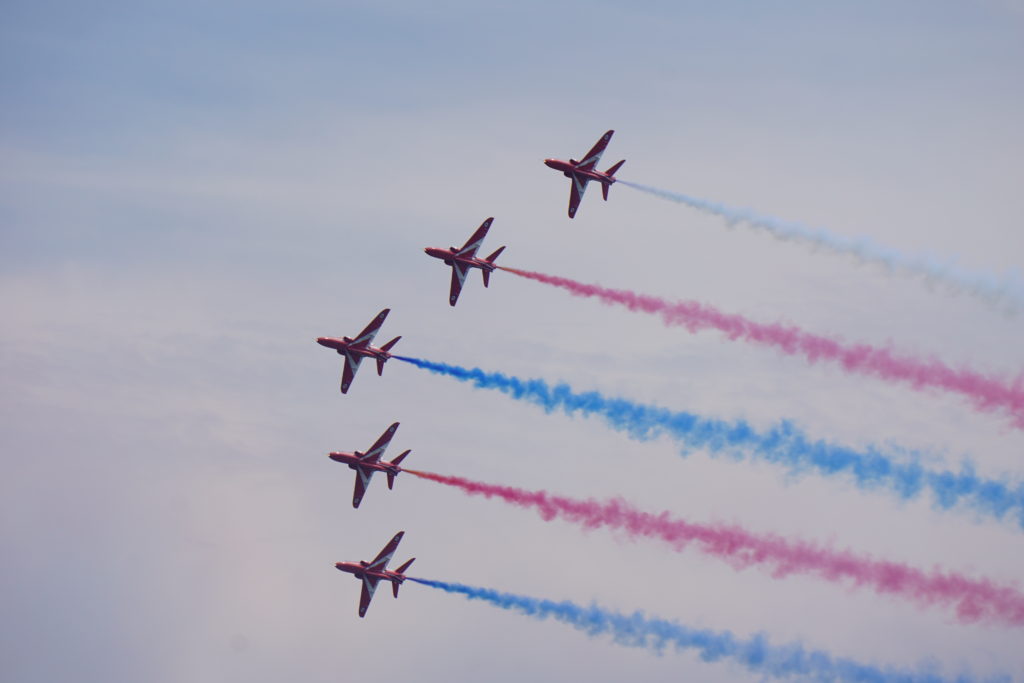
x=354, y=462
x=344, y=345
x=570, y=169
x=449, y=256
x=359, y=569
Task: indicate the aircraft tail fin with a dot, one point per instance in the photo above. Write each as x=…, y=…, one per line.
x=400, y=570
x=611, y=173
x=393, y=474
x=490, y=259
x=386, y=348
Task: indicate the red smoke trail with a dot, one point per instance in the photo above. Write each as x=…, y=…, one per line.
x=987, y=393
x=975, y=600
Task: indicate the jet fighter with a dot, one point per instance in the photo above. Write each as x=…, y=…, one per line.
x=365, y=464
x=355, y=350
x=582, y=172
x=371, y=573
x=464, y=259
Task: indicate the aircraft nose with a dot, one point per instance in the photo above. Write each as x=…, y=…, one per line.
x=550, y=163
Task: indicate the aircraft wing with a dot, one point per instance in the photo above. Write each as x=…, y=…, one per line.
x=349, y=373
x=579, y=186
x=369, y=587
x=362, y=481
x=370, y=331
x=459, y=273
x=476, y=239
x=380, y=445
x=594, y=155
x=382, y=559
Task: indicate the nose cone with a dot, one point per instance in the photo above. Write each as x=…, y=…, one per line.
x=551, y=163
x=333, y=456
x=322, y=341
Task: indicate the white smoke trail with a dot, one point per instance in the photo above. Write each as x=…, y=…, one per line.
x=1006, y=293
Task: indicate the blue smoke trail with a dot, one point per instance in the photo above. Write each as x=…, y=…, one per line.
x=638, y=630
x=783, y=443
x=1007, y=293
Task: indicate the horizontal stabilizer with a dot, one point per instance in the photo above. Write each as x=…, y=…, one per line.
x=490, y=259
x=387, y=347
x=401, y=570
x=401, y=457
x=394, y=587
x=604, y=191
x=611, y=171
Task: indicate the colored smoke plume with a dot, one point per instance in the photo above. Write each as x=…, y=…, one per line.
x=1006, y=293
x=985, y=393
x=783, y=444
x=974, y=600
x=756, y=653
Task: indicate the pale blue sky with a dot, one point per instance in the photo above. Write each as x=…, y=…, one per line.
x=191, y=192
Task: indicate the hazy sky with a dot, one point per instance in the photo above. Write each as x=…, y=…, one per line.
x=191, y=192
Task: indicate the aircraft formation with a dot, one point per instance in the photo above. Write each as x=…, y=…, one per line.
x=784, y=445
x=356, y=349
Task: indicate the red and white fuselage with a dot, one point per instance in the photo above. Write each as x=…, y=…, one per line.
x=362, y=569
x=572, y=168
x=451, y=256
x=355, y=462
x=347, y=345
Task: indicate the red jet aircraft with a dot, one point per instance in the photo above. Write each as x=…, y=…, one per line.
x=462, y=260
x=582, y=172
x=365, y=464
x=371, y=573
x=355, y=350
